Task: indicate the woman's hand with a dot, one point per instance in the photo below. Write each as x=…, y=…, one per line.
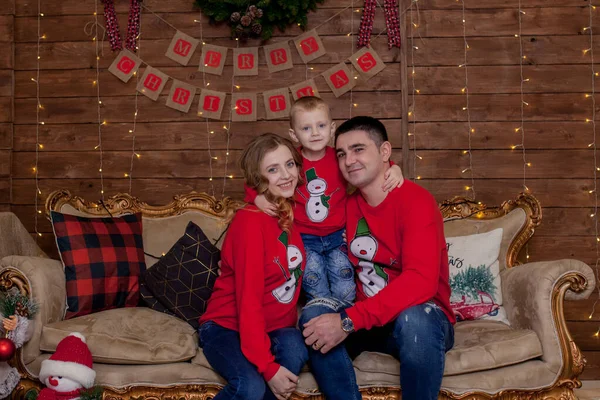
x=283, y=383
x=265, y=205
x=10, y=323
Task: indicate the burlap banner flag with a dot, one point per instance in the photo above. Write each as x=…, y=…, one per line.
x=277, y=103
x=309, y=46
x=339, y=79
x=125, y=65
x=211, y=104
x=181, y=96
x=306, y=88
x=367, y=62
x=181, y=48
x=244, y=107
x=212, y=60
x=279, y=56
x=152, y=83
x=245, y=61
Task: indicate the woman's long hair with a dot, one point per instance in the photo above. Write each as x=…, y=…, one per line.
x=250, y=165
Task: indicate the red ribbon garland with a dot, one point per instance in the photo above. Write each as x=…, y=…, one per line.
x=392, y=23
x=112, y=25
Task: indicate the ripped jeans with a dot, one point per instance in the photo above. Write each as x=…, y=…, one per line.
x=328, y=271
x=419, y=337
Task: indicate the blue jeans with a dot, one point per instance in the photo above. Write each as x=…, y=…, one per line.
x=328, y=271
x=419, y=337
x=222, y=349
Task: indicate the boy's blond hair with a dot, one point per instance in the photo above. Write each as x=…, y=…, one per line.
x=307, y=103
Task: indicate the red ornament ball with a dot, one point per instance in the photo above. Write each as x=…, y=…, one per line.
x=7, y=349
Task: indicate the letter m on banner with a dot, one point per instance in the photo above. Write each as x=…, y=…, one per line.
x=182, y=48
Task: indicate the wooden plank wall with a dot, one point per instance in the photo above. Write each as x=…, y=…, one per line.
x=173, y=146
x=7, y=19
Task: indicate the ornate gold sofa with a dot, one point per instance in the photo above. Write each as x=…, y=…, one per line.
x=143, y=354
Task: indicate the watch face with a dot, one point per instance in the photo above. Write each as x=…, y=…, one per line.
x=347, y=325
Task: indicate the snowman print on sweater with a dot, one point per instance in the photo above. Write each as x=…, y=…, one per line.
x=285, y=293
x=364, y=247
x=317, y=205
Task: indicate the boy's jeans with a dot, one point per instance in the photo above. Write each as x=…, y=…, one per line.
x=328, y=271
x=222, y=349
x=419, y=337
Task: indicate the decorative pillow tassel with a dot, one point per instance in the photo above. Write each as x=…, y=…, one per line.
x=366, y=23
x=133, y=25
x=112, y=25
x=392, y=22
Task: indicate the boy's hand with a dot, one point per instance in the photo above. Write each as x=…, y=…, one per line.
x=393, y=178
x=266, y=206
x=283, y=383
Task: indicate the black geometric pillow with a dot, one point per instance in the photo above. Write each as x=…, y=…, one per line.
x=182, y=280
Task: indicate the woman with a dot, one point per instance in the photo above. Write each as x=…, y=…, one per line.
x=248, y=333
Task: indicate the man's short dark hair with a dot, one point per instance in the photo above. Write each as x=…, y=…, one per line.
x=372, y=126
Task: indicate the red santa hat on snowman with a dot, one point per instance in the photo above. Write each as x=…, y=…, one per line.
x=72, y=360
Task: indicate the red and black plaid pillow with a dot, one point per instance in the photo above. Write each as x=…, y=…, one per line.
x=103, y=259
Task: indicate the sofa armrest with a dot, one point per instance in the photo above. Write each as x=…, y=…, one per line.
x=533, y=296
x=44, y=280
x=15, y=238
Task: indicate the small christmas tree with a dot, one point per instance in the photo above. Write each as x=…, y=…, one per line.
x=472, y=280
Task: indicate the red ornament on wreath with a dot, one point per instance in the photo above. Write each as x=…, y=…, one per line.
x=112, y=25
x=7, y=349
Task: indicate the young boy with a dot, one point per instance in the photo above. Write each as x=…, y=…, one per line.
x=320, y=204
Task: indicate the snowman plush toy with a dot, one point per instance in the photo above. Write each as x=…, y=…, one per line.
x=68, y=371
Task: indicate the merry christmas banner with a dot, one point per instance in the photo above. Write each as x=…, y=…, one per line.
x=340, y=78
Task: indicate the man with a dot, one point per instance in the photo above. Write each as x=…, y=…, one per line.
x=397, y=246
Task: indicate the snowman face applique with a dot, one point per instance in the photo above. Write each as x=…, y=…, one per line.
x=317, y=205
x=285, y=293
x=62, y=384
x=364, y=247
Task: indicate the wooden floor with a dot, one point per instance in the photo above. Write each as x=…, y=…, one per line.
x=589, y=391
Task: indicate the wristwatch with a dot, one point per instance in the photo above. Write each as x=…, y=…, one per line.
x=347, y=324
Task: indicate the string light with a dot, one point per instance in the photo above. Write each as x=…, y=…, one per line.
x=352, y=104
x=594, y=149
x=100, y=121
x=523, y=103
x=228, y=130
x=38, y=146
x=135, y=114
x=465, y=91
x=411, y=113
x=208, y=131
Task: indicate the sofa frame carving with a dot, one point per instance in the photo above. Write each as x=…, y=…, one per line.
x=456, y=208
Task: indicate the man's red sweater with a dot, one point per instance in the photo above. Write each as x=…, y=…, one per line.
x=257, y=292
x=399, y=252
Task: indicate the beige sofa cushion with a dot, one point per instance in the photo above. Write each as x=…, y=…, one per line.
x=478, y=346
x=511, y=224
x=134, y=335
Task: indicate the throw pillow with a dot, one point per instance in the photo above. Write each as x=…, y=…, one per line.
x=475, y=276
x=182, y=280
x=103, y=259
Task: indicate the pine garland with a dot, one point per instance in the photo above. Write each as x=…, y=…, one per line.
x=17, y=304
x=471, y=280
x=93, y=393
x=258, y=18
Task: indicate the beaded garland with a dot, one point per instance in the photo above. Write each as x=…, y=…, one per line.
x=112, y=25
x=392, y=23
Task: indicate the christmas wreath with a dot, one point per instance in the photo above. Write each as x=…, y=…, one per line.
x=258, y=18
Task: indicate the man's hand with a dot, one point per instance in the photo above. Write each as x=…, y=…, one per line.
x=324, y=332
x=265, y=205
x=283, y=383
